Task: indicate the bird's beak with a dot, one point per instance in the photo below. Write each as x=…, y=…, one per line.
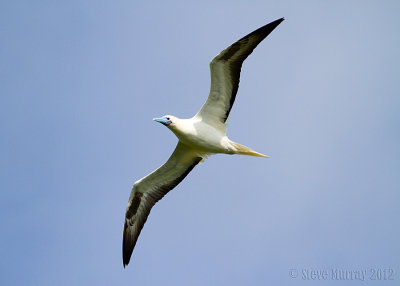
x=161, y=120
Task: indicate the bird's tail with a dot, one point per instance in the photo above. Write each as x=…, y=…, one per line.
x=243, y=150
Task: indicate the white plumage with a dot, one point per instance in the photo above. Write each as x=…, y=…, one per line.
x=200, y=136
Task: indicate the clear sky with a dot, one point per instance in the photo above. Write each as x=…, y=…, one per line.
x=80, y=82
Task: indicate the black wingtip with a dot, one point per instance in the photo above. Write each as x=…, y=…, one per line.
x=276, y=22
x=266, y=29
x=126, y=252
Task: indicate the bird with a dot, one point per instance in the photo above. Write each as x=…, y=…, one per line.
x=199, y=137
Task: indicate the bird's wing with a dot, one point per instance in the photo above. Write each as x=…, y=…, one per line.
x=150, y=189
x=225, y=74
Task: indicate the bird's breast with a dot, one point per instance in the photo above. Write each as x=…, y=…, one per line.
x=203, y=137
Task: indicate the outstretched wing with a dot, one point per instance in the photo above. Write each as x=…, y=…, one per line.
x=225, y=73
x=150, y=189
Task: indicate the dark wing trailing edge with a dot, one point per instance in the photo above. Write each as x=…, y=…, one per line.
x=225, y=74
x=150, y=189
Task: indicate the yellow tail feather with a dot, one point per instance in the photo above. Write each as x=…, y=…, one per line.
x=243, y=150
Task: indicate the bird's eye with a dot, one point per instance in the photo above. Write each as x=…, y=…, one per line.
x=167, y=118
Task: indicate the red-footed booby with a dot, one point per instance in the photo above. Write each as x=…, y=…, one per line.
x=200, y=136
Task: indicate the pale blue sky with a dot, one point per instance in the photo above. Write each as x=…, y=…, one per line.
x=80, y=82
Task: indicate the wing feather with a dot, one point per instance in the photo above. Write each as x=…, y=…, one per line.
x=225, y=74
x=150, y=189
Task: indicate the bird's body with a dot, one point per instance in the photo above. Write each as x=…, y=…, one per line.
x=199, y=137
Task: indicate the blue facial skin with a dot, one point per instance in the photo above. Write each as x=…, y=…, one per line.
x=163, y=120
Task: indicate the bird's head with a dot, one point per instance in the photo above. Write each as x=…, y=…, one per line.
x=167, y=120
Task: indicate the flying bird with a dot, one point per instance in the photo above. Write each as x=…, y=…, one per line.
x=200, y=136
